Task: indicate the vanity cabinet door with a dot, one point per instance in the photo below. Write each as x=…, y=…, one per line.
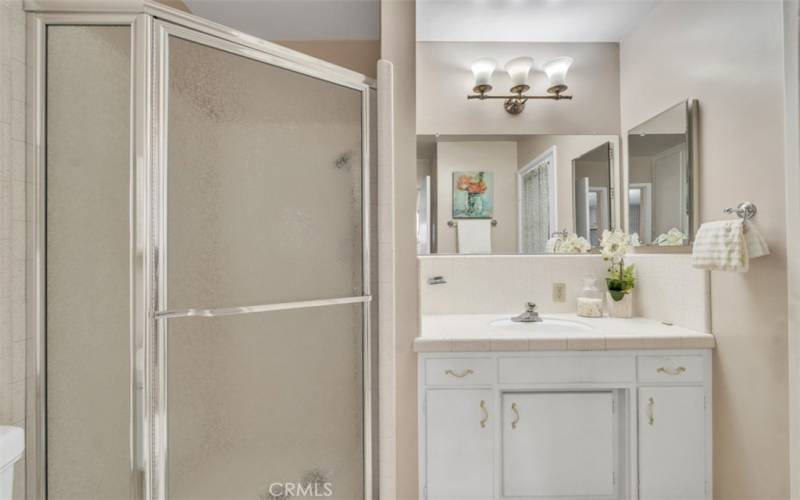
x=559, y=444
x=672, y=443
x=459, y=450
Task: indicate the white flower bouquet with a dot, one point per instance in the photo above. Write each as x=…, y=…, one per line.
x=613, y=247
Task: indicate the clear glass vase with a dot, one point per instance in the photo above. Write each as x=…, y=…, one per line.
x=590, y=299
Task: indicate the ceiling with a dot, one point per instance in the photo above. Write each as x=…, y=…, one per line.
x=295, y=20
x=529, y=20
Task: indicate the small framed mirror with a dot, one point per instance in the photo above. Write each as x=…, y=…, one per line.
x=661, y=191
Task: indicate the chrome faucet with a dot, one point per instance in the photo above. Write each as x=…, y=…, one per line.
x=529, y=316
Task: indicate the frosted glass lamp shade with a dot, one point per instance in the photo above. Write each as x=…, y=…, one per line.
x=556, y=71
x=482, y=70
x=519, y=69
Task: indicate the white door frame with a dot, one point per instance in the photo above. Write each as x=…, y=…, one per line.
x=603, y=208
x=646, y=207
x=424, y=195
x=548, y=154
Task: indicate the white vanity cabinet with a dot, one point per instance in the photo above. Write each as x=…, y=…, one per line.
x=464, y=446
x=565, y=425
x=558, y=444
x=672, y=442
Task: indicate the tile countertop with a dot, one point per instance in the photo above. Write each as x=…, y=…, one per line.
x=473, y=333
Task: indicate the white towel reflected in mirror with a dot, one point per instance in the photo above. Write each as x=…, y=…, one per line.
x=474, y=236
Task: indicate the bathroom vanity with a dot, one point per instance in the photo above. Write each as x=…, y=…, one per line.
x=601, y=409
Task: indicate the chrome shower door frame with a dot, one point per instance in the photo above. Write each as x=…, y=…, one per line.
x=151, y=26
x=140, y=26
x=163, y=30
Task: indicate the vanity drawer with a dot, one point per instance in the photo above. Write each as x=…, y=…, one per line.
x=566, y=369
x=670, y=368
x=459, y=371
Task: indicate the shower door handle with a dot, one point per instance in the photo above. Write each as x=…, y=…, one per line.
x=283, y=306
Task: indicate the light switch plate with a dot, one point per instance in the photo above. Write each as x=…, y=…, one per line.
x=559, y=292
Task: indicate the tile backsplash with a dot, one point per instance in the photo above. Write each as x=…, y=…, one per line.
x=667, y=288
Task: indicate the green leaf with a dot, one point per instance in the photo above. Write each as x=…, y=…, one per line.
x=617, y=295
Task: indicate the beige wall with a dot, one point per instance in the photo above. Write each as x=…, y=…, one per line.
x=500, y=158
x=398, y=32
x=568, y=147
x=728, y=55
x=175, y=4
x=445, y=79
x=358, y=55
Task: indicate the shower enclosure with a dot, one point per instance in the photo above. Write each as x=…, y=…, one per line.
x=203, y=274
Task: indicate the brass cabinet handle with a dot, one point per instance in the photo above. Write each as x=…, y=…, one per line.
x=672, y=371
x=651, y=412
x=463, y=374
x=516, y=415
x=485, y=413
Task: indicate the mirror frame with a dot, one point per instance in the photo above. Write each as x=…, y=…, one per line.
x=693, y=174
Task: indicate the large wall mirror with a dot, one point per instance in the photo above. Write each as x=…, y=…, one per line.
x=661, y=194
x=515, y=194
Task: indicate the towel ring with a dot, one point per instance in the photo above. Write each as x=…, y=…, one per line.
x=745, y=210
x=453, y=223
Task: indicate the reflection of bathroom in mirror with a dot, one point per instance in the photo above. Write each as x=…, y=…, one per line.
x=661, y=178
x=509, y=194
x=591, y=174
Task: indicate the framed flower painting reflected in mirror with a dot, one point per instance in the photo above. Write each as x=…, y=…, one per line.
x=473, y=195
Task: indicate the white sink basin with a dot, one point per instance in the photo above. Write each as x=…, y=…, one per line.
x=548, y=326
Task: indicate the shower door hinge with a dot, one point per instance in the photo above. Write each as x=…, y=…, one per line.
x=613, y=406
x=611, y=192
x=425, y=492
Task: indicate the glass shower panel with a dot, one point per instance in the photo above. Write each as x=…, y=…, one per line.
x=263, y=402
x=264, y=196
x=88, y=261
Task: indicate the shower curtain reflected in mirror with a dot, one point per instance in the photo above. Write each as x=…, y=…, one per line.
x=535, y=208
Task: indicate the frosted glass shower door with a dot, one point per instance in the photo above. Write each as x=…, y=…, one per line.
x=263, y=276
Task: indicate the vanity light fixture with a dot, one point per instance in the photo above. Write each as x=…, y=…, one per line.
x=519, y=70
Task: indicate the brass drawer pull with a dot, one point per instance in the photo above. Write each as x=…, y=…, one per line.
x=651, y=412
x=463, y=374
x=672, y=371
x=516, y=415
x=485, y=413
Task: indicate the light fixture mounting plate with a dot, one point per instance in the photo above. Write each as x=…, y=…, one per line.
x=514, y=106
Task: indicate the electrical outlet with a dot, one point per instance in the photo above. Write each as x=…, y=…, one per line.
x=559, y=292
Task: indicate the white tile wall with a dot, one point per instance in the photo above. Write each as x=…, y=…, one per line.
x=668, y=288
x=13, y=220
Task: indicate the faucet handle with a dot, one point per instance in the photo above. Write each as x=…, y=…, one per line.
x=531, y=307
